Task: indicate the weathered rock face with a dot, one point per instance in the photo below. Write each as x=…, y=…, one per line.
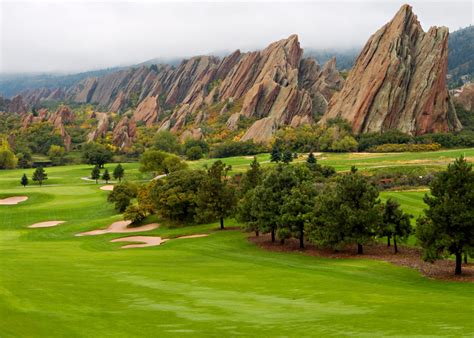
x=465, y=97
x=17, y=105
x=399, y=81
x=123, y=133
x=261, y=131
x=274, y=82
x=102, y=127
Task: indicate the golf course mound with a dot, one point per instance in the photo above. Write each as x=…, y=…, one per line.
x=120, y=227
x=109, y=187
x=13, y=200
x=46, y=224
x=143, y=241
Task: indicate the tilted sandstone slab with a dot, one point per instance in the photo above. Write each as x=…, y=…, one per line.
x=399, y=81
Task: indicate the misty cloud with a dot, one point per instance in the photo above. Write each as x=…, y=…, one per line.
x=53, y=36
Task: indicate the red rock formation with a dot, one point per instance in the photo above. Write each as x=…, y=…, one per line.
x=17, y=105
x=63, y=116
x=102, y=127
x=399, y=81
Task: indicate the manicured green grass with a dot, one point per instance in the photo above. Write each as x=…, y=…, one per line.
x=55, y=284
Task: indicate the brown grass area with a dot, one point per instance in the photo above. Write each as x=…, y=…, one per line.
x=407, y=257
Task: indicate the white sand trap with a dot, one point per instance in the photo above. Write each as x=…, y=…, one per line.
x=120, y=227
x=144, y=241
x=46, y=224
x=193, y=236
x=107, y=187
x=13, y=200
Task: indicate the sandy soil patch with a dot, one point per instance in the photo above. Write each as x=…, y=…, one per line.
x=13, y=200
x=143, y=241
x=193, y=236
x=109, y=187
x=46, y=224
x=408, y=257
x=120, y=227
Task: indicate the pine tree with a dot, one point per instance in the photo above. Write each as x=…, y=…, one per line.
x=311, y=158
x=287, y=156
x=95, y=174
x=24, y=180
x=275, y=155
x=396, y=224
x=40, y=175
x=106, y=176
x=252, y=177
x=119, y=172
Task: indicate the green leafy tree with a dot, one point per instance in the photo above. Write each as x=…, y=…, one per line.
x=448, y=227
x=194, y=153
x=96, y=153
x=174, y=196
x=287, y=156
x=395, y=223
x=122, y=201
x=216, y=199
x=246, y=212
x=166, y=141
x=39, y=175
x=24, y=180
x=173, y=163
x=8, y=160
x=24, y=159
x=106, y=176
x=135, y=214
x=56, y=154
x=119, y=172
x=95, y=173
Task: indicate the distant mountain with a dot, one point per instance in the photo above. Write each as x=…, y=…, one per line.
x=344, y=58
x=12, y=84
x=461, y=56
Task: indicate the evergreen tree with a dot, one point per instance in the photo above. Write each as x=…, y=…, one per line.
x=395, y=223
x=106, y=176
x=287, y=156
x=275, y=155
x=215, y=198
x=448, y=227
x=24, y=180
x=252, y=177
x=40, y=175
x=311, y=158
x=95, y=173
x=119, y=172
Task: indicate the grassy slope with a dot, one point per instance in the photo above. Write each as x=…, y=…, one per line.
x=55, y=284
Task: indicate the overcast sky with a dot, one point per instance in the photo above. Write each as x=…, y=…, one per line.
x=46, y=36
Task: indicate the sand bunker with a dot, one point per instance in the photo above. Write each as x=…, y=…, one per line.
x=145, y=241
x=194, y=236
x=120, y=227
x=107, y=187
x=46, y=224
x=13, y=200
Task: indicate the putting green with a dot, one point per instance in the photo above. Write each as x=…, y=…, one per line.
x=55, y=284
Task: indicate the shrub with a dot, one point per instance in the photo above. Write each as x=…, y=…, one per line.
x=194, y=153
x=233, y=148
x=391, y=148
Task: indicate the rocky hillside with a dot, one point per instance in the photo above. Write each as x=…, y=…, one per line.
x=461, y=56
x=272, y=87
x=399, y=81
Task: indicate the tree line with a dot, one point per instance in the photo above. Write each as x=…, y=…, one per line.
x=312, y=204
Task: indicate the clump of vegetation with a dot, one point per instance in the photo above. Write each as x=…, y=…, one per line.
x=407, y=147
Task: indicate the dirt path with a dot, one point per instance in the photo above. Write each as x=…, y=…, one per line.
x=46, y=224
x=408, y=257
x=119, y=228
x=13, y=200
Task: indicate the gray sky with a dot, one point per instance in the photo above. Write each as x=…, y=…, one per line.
x=45, y=36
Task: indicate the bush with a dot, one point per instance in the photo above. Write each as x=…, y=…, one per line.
x=122, y=201
x=194, y=153
x=234, y=148
x=391, y=148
